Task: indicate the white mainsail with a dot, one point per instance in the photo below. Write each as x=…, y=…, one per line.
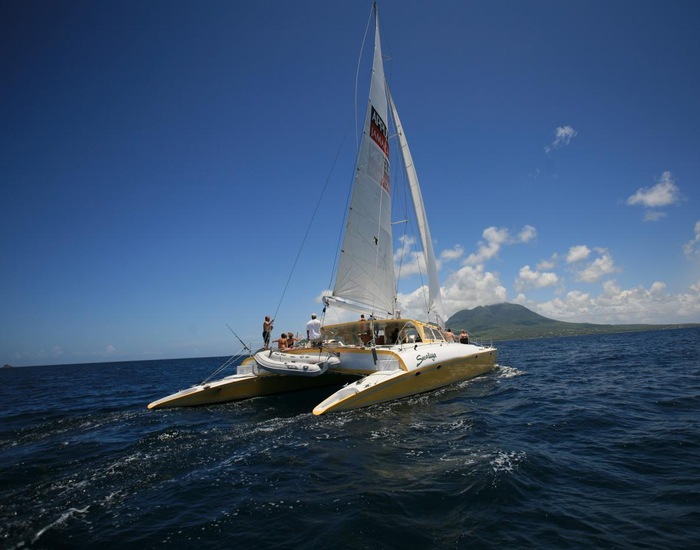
x=365, y=278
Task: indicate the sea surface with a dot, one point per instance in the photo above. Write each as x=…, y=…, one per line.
x=582, y=442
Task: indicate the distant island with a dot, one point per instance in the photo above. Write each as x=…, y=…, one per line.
x=6, y=366
x=516, y=322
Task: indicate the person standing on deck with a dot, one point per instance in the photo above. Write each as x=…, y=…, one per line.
x=362, y=338
x=267, y=330
x=313, y=331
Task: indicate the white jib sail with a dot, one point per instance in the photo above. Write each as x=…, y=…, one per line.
x=434, y=301
x=365, y=278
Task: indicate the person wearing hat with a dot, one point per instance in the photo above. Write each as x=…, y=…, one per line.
x=313, y=330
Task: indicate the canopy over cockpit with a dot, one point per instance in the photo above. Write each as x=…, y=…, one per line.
x=381, y=332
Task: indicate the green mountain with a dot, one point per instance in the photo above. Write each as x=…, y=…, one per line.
x=516, y=322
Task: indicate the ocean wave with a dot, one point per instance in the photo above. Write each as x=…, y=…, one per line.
x=508, y=372
x=70, y=513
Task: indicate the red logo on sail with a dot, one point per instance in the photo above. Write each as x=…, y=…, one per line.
x=379, y=132
x=386, y=183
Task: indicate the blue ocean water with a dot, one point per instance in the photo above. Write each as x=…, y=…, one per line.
x=571, y=443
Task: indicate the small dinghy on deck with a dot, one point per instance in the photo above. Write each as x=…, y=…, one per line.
x=295, y=364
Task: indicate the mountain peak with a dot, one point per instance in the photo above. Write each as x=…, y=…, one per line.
x=515, y=322
x=483, y=318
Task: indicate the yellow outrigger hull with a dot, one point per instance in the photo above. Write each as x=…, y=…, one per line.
x=383, y=386
x=244, y=386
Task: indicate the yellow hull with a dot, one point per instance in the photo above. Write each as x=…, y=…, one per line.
x=244, y=386
x=385, y=386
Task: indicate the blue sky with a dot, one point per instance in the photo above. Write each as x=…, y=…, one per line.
x=161, y=162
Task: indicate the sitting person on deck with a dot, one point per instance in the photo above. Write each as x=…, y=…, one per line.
x=366, y=337
x=282, y=341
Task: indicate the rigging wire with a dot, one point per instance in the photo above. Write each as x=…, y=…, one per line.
x=357, y=74
x=231, y=361
x=311, y=220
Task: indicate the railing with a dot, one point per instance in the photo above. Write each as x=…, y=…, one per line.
x=482, y=342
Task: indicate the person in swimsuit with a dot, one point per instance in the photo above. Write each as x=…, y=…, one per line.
x=282, y=341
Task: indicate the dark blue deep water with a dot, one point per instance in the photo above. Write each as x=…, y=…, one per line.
x=571, y=443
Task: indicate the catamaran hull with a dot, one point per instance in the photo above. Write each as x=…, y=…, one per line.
x=383, y=386
x=388, y=374
x=244, y=386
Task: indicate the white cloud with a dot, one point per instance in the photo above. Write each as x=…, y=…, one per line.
x=601, y=266
x=535, y=279
x=527, y=234
x=692, y=247
x=472, y=285
x=469, y=287
x=111, y=350
x=616, y=305
x=578, y=253
x=451, y=254
x=407, y=259
x=545, y=265
x=494, y=239
x=653, y=215
x=562, y=137
x=664, y=193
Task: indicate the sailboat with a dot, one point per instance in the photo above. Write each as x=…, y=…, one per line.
x=382, y=357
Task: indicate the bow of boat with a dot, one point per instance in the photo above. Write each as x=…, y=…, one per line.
x=426, y=368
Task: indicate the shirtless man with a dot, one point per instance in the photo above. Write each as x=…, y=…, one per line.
x=267, y=330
